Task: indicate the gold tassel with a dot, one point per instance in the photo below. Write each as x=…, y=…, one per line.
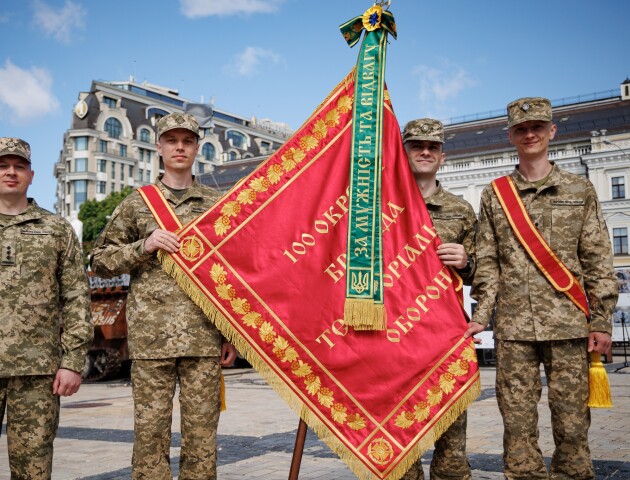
x=223, y=405
x=363, y=314
x=599, y=388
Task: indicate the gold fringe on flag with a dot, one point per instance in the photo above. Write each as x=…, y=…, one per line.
x=598, y=385
x=364, y=314
x=223, y=404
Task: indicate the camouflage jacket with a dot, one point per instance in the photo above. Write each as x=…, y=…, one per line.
x=455, y=222
x=528, y=308
x=43, y=285
x=163, y=322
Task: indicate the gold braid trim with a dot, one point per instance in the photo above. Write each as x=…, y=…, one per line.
x=289, y=397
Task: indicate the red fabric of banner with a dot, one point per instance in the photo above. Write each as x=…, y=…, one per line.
x=270, y=256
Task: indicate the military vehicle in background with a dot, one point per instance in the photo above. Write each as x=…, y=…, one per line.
x=108, y=356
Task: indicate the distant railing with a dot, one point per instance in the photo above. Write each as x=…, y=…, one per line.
x=488, y=161
x=589, y=97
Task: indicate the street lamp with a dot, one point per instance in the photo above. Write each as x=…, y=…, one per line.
x=608, y=142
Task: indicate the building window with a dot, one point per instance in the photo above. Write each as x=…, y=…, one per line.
x=620, y=241
x=112, y=187
x=110, y=102
x=80, y=193
x=265, y=146
x=123, y=150
x=80, y=143
x=130, y=171
x=208, y=151
x=140, y=175
x=80, y=164
x=145, y=155
x=200, y=167
x=145, y=135
x=101, y=165
x=113, y=171
x=100, y=187
x=122, y=173
x=238, y=139
x=232, y=156
x=618, y=187
x=113, y=127
x=102, y=146
x=148, y=176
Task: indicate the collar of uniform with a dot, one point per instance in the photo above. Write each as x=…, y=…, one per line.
x=32, y=212
x=523, y=184
x=191, y=192
x=437, y=199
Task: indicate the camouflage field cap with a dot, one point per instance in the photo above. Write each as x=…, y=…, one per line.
x=528, y=108
x=177, y=120
x=15, y=146
x=424, y=129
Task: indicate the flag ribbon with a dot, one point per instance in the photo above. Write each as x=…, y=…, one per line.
x=364, y=308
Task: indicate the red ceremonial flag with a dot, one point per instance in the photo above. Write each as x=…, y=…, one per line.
x=267, y=264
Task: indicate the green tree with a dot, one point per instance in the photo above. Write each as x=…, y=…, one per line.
x=94, y=215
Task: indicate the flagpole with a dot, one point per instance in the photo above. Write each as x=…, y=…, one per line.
x=298, y=450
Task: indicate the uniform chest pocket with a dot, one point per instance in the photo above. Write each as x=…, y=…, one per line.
x=567, y=218
x=449, y=226
x=37, y=252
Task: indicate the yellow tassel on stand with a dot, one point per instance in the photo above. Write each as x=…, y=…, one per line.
x=223, y=406
x=599, y=388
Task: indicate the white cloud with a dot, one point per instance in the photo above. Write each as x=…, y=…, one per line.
x=62, y=23
x=252, y=61
x=207, y=8
x=26, y=94
x=439, y=85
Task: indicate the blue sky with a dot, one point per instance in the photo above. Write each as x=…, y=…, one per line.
x=278, y=59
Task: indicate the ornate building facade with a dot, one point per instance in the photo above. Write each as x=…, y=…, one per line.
x=111, y=142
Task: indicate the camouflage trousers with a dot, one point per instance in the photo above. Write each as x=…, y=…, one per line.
x=32, y=421
x=449, y=460
x=153, y=388
x=518, y=386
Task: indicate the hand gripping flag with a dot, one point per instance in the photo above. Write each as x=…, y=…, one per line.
x=269, y=262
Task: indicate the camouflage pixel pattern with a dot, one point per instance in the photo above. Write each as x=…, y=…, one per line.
x=42, y=284
x=177, y=120
x=519, y=388
x=153, y=384
x=162, y=321
x=455, y=222
x=528, y=108
x=15, y=146
x=32, y=421
x=424, y=129
x=566, y=212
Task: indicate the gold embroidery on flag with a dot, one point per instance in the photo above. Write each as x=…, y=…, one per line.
x=380, y=451
x=284, y=351
x=191, y=248
x=287, y=162
x=434, y=395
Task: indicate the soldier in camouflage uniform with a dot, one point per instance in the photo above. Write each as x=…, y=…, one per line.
x=535, y=323
x=170, y=338
x=42, y=284
x=455, y=223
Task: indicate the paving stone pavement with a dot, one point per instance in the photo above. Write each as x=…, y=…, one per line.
x=257, y=434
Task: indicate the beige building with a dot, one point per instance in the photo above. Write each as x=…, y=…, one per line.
x=111, y=141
